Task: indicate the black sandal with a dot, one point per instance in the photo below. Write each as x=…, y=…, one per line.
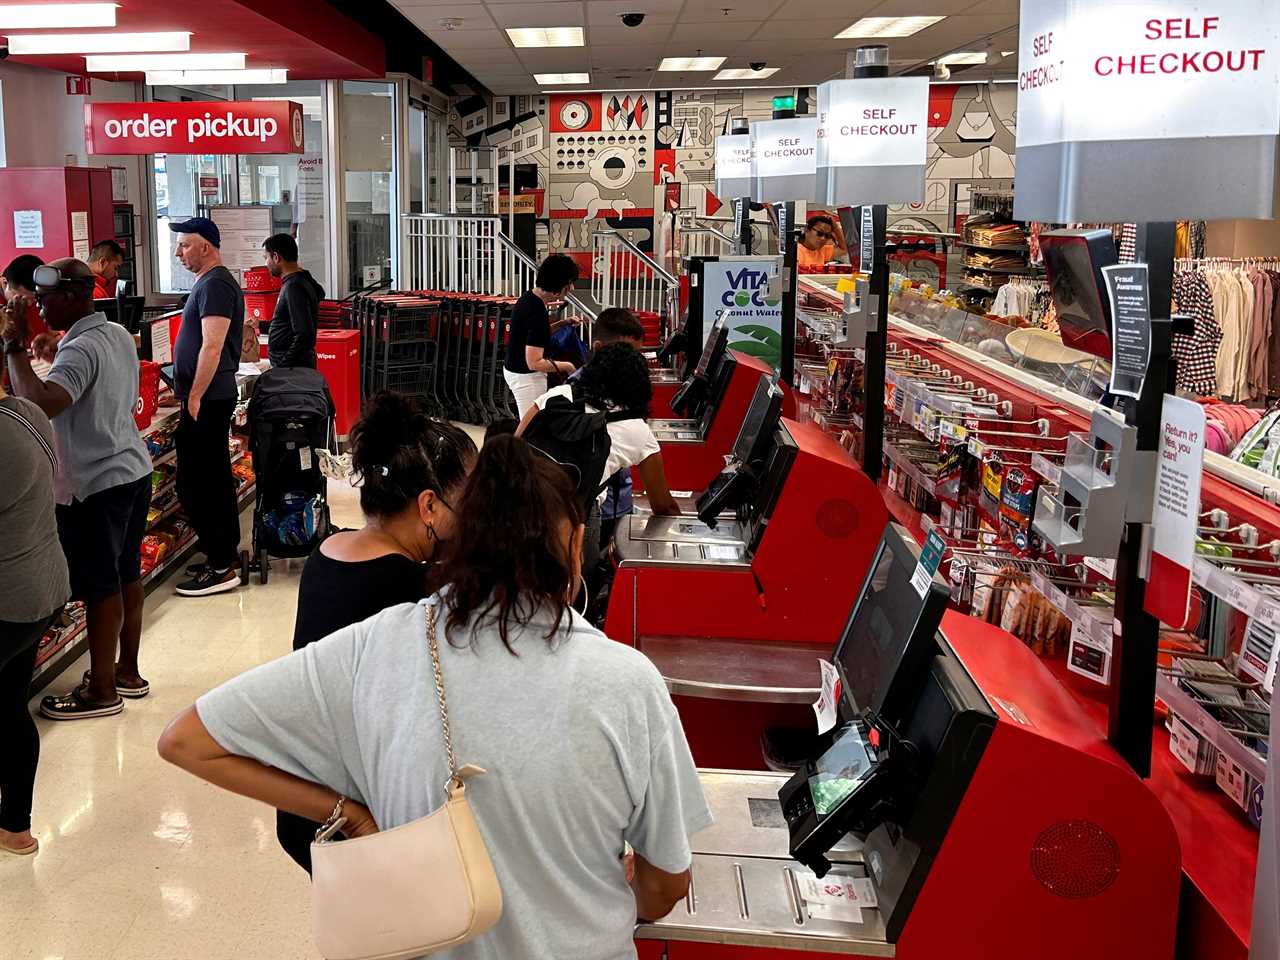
x=133, y=693
x=73, y=706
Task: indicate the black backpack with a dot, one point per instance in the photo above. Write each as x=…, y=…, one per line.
x=577, y=440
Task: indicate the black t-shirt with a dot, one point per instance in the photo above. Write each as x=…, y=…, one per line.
x=216, y=294
x=333, y=594
x=530, y=327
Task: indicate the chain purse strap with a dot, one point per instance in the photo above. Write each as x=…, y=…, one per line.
x=454, y=779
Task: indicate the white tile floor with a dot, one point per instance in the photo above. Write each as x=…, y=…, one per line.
x=138, y=860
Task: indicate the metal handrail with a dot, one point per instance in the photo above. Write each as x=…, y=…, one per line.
x=643, y=257
x=529, y=263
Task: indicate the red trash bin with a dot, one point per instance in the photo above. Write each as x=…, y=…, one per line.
x=338, y=359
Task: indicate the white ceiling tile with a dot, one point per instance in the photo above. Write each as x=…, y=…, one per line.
x=473, y=15
x=716, y=33
x=490, y=57
x=712, y=11
x=609, y=11
x=851, y=11
x=553, y=59
x=556, y=13
x=492, y=39
x=821, y=32
x=611, y=35
x=633, y=56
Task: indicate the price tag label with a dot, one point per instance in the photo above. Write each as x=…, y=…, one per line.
x=930, y=559
x=1183, y=743
x=1099, y=565
x=953, y=431
x=827, y=707
x=976, y=447
x=1089, y=651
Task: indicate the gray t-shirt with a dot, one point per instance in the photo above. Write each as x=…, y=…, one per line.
x=33, y=571
x=583, y=748
x=99, y=446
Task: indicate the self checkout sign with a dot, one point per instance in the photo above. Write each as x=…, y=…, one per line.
x=1137, y=110
x=194, y=127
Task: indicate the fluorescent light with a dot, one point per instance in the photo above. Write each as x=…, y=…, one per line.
x=744, y=74
x=545, y=36
x=157, y=78
x=36, y=43
x=869, y=27
x=141, y=62
x=550, y=78
x=964, y=58
x=691, y=63
x=41, y=16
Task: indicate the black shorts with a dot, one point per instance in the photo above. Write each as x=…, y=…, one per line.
x=102, y=539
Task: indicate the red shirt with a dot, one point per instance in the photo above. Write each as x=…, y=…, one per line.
x=103, y=289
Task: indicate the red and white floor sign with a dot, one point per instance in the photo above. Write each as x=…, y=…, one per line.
x=1176, y=512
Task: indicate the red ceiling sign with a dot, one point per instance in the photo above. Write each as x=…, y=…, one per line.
x=252, y=126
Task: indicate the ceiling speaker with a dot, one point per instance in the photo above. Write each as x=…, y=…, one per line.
x=1075, y=859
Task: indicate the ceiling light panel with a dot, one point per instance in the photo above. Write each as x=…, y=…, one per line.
x=546, y=36
x=876, y=27
x=144, y=62
x=964, y=58
x=42, y=16
x=28, y=44
x=691, y=63
x=745, y=74
x=158, y=78
x=550, y=78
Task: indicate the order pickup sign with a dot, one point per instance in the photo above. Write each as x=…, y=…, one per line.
x=250, y=126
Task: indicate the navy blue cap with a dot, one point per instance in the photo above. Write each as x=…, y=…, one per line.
x=200, y=226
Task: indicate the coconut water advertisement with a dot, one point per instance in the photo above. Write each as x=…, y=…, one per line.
x=741, y=289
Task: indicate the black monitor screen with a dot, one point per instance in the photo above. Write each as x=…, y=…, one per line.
x=1073, y=261
x=757, y=429
x=717, y=344
x=890, y=634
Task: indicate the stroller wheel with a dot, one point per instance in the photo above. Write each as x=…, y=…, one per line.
x=244, y=567
x=263, y=566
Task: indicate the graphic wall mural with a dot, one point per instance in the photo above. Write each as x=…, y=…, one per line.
x=625, y=158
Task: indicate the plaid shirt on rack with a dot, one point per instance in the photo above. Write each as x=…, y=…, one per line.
x=1196, y=354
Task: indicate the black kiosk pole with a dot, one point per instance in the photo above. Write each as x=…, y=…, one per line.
x=873, y=61
x=1134, y=643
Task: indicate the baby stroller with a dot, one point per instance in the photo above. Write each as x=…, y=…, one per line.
x=291, y=418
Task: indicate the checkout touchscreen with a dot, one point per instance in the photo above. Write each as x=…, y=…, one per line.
x=881, y=658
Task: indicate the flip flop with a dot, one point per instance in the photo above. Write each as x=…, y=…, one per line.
x=133, y=693
x=73, y=706
x=24, y=852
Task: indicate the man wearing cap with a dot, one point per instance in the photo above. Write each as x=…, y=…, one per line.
x=206, y=357
x=103, y=483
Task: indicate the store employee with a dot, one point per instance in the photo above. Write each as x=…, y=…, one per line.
x=821, y=242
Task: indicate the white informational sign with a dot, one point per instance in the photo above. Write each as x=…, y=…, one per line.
x=161, y=347
x=80, y=250
x=79, y=225
x=1120, y=101
x=28, y=229
x=784, y=159
x=733, y=165
x=1167, y=68
x=119, y=185
x=1089, y=653
x=739, y=287
x=243, y=229
x=827, y=707
x=1175, y=514
x=870, y=133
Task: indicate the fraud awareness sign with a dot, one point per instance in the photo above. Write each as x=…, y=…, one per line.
x=1132, y=110
x=1176, y=511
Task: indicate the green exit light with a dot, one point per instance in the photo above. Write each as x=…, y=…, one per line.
x=784, y=103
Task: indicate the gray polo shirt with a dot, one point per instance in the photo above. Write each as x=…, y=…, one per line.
x=98, y=443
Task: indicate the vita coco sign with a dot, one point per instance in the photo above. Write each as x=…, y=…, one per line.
x=255, y=126
x=1147, y=109
x=738, y=288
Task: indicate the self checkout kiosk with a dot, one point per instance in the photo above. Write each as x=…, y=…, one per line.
x=957, y=809
x=768, y=557
x=714, y=401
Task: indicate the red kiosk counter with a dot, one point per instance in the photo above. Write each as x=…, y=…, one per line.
x=1219, y=842
x=714, y=399
x=766, y=572
x=958, y=808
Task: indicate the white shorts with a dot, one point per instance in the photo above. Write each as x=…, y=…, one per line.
x=526, y=388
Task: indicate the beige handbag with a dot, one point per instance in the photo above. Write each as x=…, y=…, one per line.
x=425, y=886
